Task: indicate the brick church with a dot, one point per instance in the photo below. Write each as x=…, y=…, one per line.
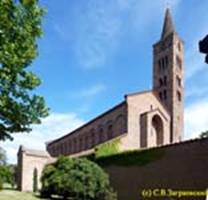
x=142, y=120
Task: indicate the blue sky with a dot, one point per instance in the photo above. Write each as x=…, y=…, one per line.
x=93, y=52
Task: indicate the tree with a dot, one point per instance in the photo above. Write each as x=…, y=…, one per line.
x=11, y=177
x=2, y=166
x=76, y=178
x=20, y=27
x=8, y=173
x=204, y=134
x=2, y=156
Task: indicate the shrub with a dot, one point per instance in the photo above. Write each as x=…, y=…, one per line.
x=203, y=134
x=107, y=148
x=48, y=186
x=76, y=178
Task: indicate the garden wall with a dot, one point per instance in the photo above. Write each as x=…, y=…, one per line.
x=182, y=166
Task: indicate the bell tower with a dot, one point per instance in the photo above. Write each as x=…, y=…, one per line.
x=168, y=75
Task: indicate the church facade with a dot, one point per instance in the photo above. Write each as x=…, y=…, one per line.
x=142, y=120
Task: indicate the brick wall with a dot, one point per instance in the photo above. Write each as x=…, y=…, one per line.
x=107, y=126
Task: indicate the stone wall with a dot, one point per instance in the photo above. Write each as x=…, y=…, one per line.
x=181, y=166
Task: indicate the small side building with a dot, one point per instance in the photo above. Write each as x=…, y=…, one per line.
x=30, y=161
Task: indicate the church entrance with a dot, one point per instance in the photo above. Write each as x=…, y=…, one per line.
x=156, y=137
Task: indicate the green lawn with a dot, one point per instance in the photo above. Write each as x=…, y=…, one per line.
x=15, y=195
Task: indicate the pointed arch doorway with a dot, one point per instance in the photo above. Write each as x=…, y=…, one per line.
x=157, y=131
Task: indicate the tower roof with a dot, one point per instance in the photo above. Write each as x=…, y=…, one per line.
x=168, y=26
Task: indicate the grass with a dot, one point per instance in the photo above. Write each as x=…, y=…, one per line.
x=10, y=194
x=15, y=195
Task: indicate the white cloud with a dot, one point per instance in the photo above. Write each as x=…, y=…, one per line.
x=89, y=94
x=143, y=14
x=196, y=113
x=194, y=62
x=52, y=127
x=98, y=33
x=92, y=91
x=196, y=91
x=100, y=26
x=196, y=118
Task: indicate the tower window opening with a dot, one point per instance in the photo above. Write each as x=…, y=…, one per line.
x=160, y=95
x=178, y=62
x=159, y=64
x=163, y=63
x=179, y=96
x=165, y=80
x=178, y=81
x=165, y=94
x=160, y=82
x=166, y=61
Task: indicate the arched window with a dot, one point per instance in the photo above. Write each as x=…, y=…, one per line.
x=156, y=137
x=75, y=145
x=100, y=134
x=119, y=125
x=56, y=150
x=59, y=149
x=110, y=131
x=66, y=147
x=69, y=146
x=92, y=138
x=62, y=149
x=86, y=141
x=80, y=144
